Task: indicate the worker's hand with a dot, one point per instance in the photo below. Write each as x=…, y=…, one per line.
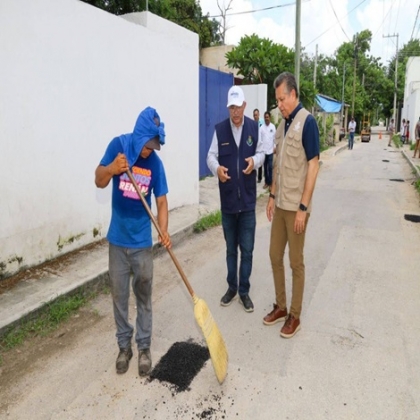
x=300, y=221
x=270, y=209
x=119, y=165
x=165, y=240
x=250, y=166
x=222, y=173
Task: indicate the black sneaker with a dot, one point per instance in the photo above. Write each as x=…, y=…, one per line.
x=145, y=362
x=247, y=303
x=228, y=297
x=123, y=359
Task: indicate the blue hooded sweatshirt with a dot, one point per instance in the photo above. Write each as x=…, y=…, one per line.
x=130, y=225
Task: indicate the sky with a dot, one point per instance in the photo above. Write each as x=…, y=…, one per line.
x=324, y=23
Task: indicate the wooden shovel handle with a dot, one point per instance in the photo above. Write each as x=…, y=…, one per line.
x=154, y=221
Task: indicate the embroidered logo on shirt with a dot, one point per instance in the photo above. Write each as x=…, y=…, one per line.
x=250, y=142
x=296, y=127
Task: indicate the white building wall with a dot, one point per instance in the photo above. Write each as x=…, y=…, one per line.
x=72, y=77
x=411, y=109
x=255, y=97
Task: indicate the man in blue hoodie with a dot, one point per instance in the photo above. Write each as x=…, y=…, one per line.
x=130, y=231
x=234, y=154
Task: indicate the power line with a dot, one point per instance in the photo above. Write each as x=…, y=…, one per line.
x=323, y=33
x=338, y=21
x=258, y=10
x=412, y=32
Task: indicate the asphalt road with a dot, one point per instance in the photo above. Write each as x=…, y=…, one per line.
x=356, y=356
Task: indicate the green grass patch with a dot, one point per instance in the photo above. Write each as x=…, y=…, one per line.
x=397, y=140
x=417, y=185
x=208, y=221
x=44, y=321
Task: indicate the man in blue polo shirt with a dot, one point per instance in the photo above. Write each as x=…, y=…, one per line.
x=289, y=204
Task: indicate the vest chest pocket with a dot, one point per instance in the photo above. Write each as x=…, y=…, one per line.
x=293, y=151
x=225, y=149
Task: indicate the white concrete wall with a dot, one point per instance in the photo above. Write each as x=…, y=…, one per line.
x=255, y=97
x=72, y=77
x=411, y=109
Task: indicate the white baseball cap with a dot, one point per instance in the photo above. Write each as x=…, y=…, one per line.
x=235, y=96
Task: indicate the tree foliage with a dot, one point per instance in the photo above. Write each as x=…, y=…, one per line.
x=260, y=60
x=186, y=13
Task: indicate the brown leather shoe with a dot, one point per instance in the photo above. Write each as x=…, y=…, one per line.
x=276, y=315
x=290, y=327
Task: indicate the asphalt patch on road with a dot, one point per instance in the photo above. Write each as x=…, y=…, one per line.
x=385, y=160
x=397, y=180
x=412, y=218
x=180, y=365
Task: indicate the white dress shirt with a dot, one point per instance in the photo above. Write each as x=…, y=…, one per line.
x=267, y=135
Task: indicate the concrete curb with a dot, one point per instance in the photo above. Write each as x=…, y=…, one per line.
x=412, y=164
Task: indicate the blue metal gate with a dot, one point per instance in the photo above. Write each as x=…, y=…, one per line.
x=214, y=86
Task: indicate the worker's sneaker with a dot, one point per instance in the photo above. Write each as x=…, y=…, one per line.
x=247, y=303
x=123, y=359
x=290, y=327
x=228, y=297
x=276, y=315
x=145, y=362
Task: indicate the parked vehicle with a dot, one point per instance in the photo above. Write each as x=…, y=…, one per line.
x=365, y=131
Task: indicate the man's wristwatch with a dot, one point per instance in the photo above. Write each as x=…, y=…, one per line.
x=272, y=196
x=302, y=207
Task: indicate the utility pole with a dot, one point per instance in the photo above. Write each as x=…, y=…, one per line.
x=394, y=114
x=316, y=64
x=342, y=94
x=354, y=77
x=297, y=43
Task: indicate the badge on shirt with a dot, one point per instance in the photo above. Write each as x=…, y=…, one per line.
x=250, y=142
x=297, y=126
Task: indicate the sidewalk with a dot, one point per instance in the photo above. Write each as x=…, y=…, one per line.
x=88, y=266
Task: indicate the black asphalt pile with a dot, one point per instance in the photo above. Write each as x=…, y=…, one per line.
x=180, y=364
x=412, y=218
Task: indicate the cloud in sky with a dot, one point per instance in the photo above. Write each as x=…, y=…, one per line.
x=319, y=24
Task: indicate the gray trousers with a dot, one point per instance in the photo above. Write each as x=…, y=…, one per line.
x=135, y=264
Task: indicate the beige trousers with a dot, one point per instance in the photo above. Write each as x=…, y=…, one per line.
x=281, y=234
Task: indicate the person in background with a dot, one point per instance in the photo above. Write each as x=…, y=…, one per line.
x=402, y=131
x=256, y=115
x=289, y=203
x=234, y=154
x=351, y=130
x=407, y=132
x=417, y=136
x=391, y=129
x=130, y=233
x=267, y=133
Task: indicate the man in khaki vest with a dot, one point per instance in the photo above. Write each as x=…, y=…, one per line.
x=289, y=204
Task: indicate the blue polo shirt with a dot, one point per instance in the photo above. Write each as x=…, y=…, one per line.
x=310, y=133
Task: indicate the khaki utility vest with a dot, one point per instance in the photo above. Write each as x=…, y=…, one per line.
x=291, y=165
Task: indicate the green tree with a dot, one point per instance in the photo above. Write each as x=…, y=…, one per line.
x=260, y=60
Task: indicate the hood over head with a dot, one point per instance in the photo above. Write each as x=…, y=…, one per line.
x=147, y=127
